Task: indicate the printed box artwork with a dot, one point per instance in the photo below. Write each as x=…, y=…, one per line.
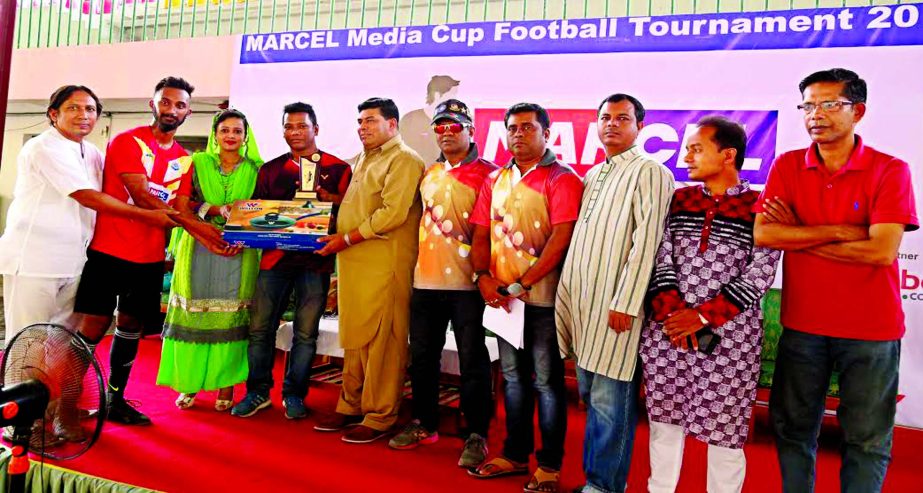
x=278, y=224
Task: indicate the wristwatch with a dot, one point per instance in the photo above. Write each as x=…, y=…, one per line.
x=477, y=275
x=515, y=290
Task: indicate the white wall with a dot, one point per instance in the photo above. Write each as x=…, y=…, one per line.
x=123, y=76
x=18, y=128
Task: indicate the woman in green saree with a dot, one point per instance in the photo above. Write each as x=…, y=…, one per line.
x=205, y=331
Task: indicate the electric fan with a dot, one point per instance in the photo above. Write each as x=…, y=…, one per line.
x=53, y=400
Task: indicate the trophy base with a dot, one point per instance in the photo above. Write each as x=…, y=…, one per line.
x=308, y=197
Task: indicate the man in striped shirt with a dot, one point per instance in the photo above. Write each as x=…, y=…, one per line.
x=599, y=306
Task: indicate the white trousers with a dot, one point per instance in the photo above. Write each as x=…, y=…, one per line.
x=30, y=300
x=726, y=466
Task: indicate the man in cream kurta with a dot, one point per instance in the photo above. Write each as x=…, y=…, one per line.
x=378, y=224
x=599, y=310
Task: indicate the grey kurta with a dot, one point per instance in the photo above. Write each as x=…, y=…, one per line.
x=609, y=263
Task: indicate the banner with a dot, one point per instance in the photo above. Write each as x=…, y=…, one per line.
x=743, y=65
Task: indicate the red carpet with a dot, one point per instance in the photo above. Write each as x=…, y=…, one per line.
x=201, y=450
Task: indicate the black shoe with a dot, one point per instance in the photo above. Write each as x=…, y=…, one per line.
x=122, y=412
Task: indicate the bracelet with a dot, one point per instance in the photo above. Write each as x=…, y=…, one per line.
x=203, y=210
x=346, y=240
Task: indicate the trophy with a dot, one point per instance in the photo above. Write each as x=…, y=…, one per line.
x=308, y=178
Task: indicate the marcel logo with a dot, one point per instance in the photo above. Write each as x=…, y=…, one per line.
x=575, y=140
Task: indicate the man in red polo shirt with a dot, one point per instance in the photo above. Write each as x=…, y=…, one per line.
x=839, y=210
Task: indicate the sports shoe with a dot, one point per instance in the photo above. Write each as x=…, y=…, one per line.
x=120, y=411
x=251, y=404
x=294, y=407
x=413, y=436
x=336, y=422
x=474, y=452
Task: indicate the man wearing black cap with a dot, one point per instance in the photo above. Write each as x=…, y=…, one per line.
x=443, y=290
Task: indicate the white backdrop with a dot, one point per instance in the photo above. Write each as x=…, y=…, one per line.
x=573, y=84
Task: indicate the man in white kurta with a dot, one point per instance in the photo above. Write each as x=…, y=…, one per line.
x=43, y=248
x=599, y=306
x=51, y=219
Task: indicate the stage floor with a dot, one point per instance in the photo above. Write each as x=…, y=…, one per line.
x=200, y=450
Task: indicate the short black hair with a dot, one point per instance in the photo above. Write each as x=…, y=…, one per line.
x=386, y=106
x=540, y=113
x=299, y=107
x=174, y=83
x=854, y=88
x=226, y=114
x=618, y=97
x=728, y=135
x=61, y=94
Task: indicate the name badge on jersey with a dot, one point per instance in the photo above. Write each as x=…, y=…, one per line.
x=159, y=191
x=176, y=169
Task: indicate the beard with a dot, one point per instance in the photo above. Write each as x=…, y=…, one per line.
x=167, y=127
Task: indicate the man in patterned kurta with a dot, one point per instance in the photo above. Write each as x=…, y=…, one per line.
x=708, y=274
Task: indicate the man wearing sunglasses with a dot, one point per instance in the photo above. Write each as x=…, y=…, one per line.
x=443, y=288
x=839, y=210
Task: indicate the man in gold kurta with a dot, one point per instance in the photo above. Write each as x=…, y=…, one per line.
x=377, y=247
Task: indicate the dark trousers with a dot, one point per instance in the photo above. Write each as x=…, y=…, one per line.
x=868, y=402
x=536, y=370
x=430, y=313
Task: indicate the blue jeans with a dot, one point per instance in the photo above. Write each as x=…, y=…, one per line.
x=273, y=290
x=868, y=398
x=612, y=414
x=539, y=356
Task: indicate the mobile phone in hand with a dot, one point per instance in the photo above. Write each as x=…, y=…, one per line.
x=706, y=339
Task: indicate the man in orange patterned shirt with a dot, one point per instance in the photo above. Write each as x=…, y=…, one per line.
x=525, y=217
x=443, y=288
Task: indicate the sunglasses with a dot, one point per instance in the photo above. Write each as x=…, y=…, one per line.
x=452, y=128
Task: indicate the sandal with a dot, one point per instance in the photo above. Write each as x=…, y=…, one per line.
x=185, y=401
x=543, y=481
x=222, y=405
x=499, y=466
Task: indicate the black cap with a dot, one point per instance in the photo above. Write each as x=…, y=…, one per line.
x=454, y=110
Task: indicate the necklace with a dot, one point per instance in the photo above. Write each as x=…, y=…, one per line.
x=225, y=176
x=223, y=166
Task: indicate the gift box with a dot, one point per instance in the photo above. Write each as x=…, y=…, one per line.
x=278, y=224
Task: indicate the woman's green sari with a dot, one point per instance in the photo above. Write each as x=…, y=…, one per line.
x=207, y=323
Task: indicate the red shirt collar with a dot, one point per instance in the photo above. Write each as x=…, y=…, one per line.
x=860, y=158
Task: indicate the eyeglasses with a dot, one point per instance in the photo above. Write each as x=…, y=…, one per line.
x=827, y=106
x=452, y=128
